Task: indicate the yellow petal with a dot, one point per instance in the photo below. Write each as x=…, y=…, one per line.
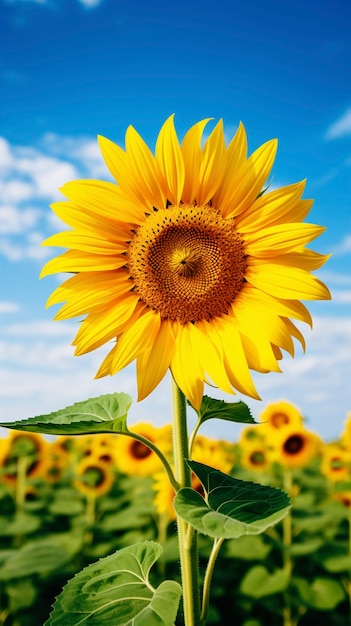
x=275, y=207
x=138, y=337
x=85, y=293
x=154, y=362
x=99, y=327
x=235, y=361
x=236, y=157
x=261, y=322
x=170, y=160
x=186, y=368
x=105, y=199
x=143, y=168
x=91, y=221
x=86, y=242
x=105, y=367
x=208, y=346
x=192, y=156
x=286, y=282
x=246, y=185
x=260, y=353
x=281, y=238
x=117, y=161
x=213, y=165
x=257, y=299
x=76, y=261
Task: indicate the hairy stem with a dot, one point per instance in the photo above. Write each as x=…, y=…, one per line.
x=186, y=534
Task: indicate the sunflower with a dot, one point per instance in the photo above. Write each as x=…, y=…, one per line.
x=219, y=453
x=251, y=436
x=256, y=458
x=188, y=263
x=281, y=414
x=294, y=447
x=336, y=462
x=23, y=445
x=135, y=458
x=164, y=496
x=93, y=477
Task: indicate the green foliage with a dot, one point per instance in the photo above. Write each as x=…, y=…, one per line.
x=105, y=414
x=259, y=582
x=323, y=594
x=116, y=591
x=232, y=507
x=219, y=409
x=37, y=557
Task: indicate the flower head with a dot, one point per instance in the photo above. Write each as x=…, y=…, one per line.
x=187, y=263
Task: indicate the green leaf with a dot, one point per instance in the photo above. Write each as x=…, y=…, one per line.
x=116, y=591
x=232, y=507
x=322, y=594
x=337, y=564
x=249, y=548
x=20, y=524
x=21, y=593
x=259, y=582
x=36, y=557
x=105, y=414
x=231, y=411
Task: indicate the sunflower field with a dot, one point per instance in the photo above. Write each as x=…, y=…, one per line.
x=70, y=500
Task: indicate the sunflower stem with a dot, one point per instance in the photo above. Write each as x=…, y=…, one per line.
x=287, y=543
x=186, y=534
x=208, y=578
x=158, y=452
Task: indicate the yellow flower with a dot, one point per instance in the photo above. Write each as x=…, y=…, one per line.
x=336, y=462
x=251, y=436
x=294, y=446
x=164, y=496
x=281, y=414
x=26, y=445
x=93, y=477
x=187, y=263
x=134, y=457
x=218, y=454
x=256, y=457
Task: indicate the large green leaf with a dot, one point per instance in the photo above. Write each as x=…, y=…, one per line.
x=219, y=409
x=105, y=414
x=35, y=557
x=116, y=591
x=259, y=582
x=323, y=594
x=232, y=507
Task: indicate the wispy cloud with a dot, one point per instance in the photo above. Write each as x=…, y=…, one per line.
x=9, y=307
x=344, y=247
x=30, y=178
x=341, y=127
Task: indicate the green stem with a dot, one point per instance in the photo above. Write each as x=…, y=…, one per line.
x=22, y=463
x=160, y=455
x=186, y=534
x=193, y=435
x=208, y=577
x=287, y=543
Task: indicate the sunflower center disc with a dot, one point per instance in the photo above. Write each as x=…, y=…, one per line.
x=187, y=262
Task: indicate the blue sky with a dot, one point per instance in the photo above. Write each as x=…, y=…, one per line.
x=72, y=69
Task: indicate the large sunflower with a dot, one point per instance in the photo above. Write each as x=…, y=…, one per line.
x=187, y=263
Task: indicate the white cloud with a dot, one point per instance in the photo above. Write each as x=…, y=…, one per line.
x=344, y=247
x=341, y=127
x=9, y=307
x=30, y=178
x=90, y=4
x=15, y=221
x=38, y=358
